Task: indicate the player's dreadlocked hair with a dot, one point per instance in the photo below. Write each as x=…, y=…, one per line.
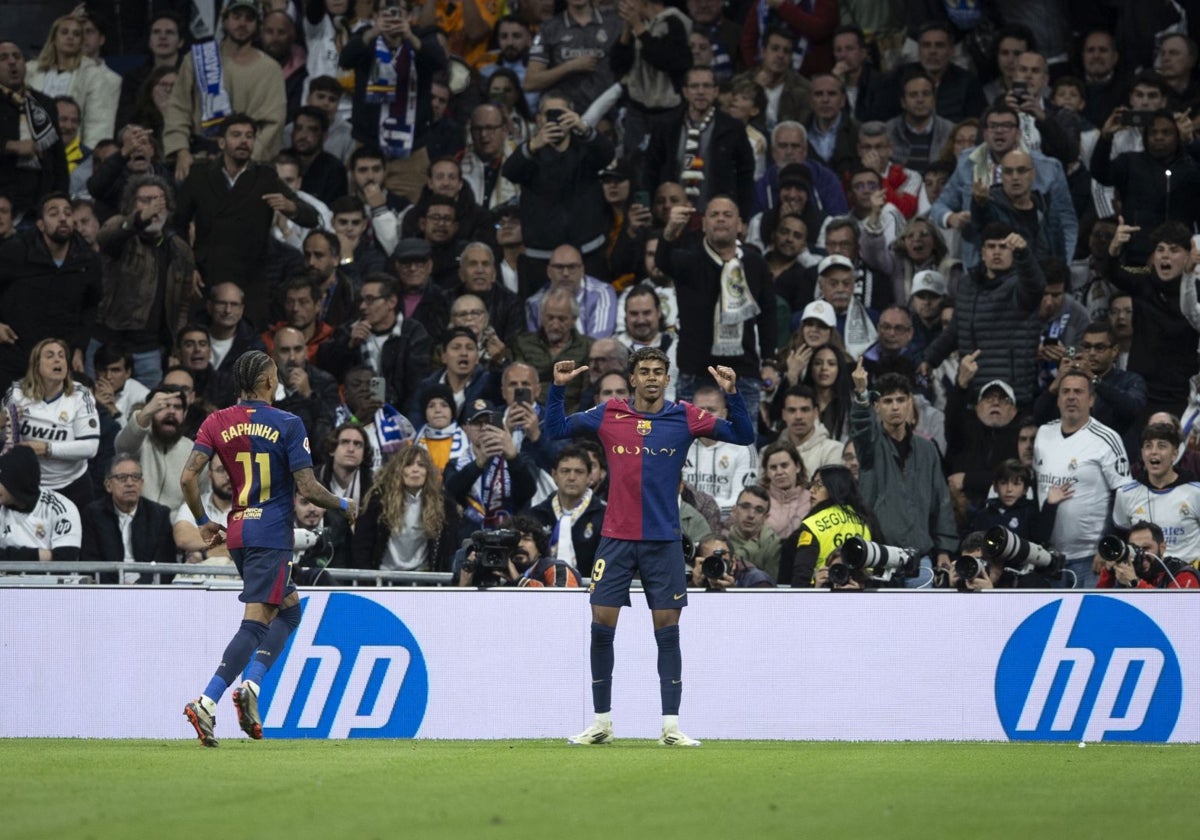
x=248, y=369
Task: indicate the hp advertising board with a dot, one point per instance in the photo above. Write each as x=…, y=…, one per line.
x=352, y=669
x=1090, y=669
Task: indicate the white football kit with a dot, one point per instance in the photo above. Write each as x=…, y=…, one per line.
x=1093, y=460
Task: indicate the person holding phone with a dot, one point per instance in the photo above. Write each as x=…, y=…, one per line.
x=558, y=171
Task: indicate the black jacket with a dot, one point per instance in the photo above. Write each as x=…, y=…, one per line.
x=403, y=362
x=729, y=159
x=562, y=202
x=325, y=177
x=233, y=227
x=39, y=299
x=698, y=279
x=150, y=534
x=959, y=96
x=25, y=186
x=317, y=410
x=974, y=448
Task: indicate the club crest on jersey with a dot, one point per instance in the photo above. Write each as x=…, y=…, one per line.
x=1184, y=510
x=643, y=427
x=1074, y=465
x=63, y=417
x=587, y=532
x=40, y=531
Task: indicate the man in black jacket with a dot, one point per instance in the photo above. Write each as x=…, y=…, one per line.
x=307, y=391
x=395, y=347
x=49, y=286
x=32, y=166
x=233, y=202
x=562, y=201
x=572, y=516
x=124, y=526
x=717, y=280
x=717, y=158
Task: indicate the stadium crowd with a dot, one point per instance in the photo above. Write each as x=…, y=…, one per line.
x=947, y=248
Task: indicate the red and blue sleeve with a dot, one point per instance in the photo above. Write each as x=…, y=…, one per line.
x=299, y=453
x=739, y=428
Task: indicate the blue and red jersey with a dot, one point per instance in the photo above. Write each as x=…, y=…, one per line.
x=261, y=447
x=645, y=454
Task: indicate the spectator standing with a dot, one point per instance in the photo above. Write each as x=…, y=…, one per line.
x=558, y=171
x=1083, y=451
x=164, y=42
x=49, y=285
x=62, y=69
x=233, y=201
x=570, y=54
x=33, y=159
x=147, y=276
x=251, y=80
x=650, y=59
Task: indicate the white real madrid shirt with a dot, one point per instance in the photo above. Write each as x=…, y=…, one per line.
x=1175, y=509
x=53, y=523
x=721, y=471
x=1093, y=460
x=69, y=423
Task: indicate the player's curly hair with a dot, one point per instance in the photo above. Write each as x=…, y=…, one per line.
x=249, y=368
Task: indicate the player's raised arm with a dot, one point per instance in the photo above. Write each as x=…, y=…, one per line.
x=556, y=423
x=189, y=482
x=739, y=428
x=316, y=493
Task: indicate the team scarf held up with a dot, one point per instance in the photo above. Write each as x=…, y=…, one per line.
x=36, y=125
x=215, y=104
x=734, y=307
x=691, y=176
x=393, y=85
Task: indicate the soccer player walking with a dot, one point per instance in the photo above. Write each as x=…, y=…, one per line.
x=266, y=453
x=646, y=441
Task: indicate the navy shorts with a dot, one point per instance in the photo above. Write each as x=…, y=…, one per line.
x=660, y=564
x=266, y=574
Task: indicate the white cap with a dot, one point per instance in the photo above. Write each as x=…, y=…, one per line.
x=1003, y=386
x=834, y=261
x=821, y=311
x=929, y=281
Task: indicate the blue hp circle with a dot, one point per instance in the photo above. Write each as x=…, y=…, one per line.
x=351, y=670
x=1091, y=669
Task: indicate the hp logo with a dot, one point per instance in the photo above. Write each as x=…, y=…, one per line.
x=1088, y=669
x=351, y=670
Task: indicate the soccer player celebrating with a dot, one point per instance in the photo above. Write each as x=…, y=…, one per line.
x=266, y=453
x=646, y=441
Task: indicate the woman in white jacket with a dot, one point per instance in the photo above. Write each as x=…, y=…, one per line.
x=62, y=69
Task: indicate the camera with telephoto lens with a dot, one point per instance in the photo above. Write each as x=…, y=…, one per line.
x=312, y=552
x=1021, y=556
x=1113, y=549
x=881, y=562
x=840, y=574
x=969, y=568
x=493, y=549
x=717, y=565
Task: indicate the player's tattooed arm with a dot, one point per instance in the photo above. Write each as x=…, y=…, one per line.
x=189, y=481
x=313, y=490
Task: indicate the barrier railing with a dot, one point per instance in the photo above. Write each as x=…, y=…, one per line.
x=73, y=572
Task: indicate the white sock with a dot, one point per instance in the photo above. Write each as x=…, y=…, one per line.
x=208, y=704
x=251, y=686
x=670, y=723
x=604, y=718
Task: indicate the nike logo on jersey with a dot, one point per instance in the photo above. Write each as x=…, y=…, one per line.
x=676, y=682
x=680, y=597
x=621, y=416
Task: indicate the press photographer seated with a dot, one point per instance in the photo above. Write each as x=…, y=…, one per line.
x=516, y=555
x=999, y=559
x=717, y=568
x=1140, y=562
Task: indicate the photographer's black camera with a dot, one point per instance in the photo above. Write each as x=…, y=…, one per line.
x=1014, y=552
x=493, y=549
x=969, y=568
x=717, y=565
x=840, y=574
x=1113, y=549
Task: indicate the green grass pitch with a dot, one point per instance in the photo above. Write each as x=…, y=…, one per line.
x=630, y=789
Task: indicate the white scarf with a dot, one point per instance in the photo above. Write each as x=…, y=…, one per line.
x=215, y=104
x=734, y=307
x=561, y=537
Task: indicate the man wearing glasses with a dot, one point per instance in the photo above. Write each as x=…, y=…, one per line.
x=597, y=300
x=753, y=543
x=1001, y=135
x=1016, y=203
x=123, y=525
x=485, y=155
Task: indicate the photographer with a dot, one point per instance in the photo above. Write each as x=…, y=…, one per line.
x=971, y=572
x=513, y=556
x=717, y=568
x=838, y=576
x=314, y=548
x=1143, y=564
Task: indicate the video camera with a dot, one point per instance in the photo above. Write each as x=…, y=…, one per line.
x=878, y=561
x=493, y=549
x=717, y=565
x=1021, y=556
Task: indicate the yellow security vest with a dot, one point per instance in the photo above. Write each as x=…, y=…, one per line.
x=829, y=527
